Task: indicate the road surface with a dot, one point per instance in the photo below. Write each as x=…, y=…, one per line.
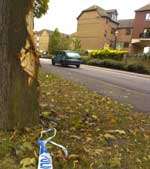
x=126, y=87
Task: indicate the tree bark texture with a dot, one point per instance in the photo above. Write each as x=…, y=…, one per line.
x=18, y=99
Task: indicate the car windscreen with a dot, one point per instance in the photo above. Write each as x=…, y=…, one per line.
x=73, y=55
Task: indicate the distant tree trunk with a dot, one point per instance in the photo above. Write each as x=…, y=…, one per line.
x=18, y=97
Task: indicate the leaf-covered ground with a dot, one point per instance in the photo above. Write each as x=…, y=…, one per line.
x=98, y=132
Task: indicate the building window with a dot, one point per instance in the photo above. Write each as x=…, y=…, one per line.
x=147, y=33
x=114, y=17
x=128, y=31
x=147, y=18
x=126, y=44
x=147, y=30
x=119, y=45
x=147, y=50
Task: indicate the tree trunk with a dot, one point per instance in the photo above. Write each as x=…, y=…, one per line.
x=18, y=99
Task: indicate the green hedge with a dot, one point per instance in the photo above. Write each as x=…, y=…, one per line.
x=85, y=59
x=108, y=54
x=145, y=57
x=138, y=68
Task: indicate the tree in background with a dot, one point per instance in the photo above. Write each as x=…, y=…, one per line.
x=76, y=44
x=55, y=41
x=18, y=63
x=65, y=42
x=58, y=41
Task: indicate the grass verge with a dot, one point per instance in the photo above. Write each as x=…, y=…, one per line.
x=99, y=133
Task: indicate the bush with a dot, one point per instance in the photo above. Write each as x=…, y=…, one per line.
x=138, y=68
x=107, y=63
x=108, y=54
x=85, y=59
x=141, y=56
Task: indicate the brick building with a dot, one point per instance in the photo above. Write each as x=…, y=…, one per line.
x=141, y=30
x=96, y=27
x=124, y=34
x=42, y=40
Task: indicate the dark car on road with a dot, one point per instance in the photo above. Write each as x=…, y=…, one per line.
x=66, y=58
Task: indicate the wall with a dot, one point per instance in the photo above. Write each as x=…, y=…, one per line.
x=44, y=41
x=94, y=31
x=122, y=37
x=140, y=23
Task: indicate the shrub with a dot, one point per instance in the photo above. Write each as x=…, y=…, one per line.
x=108, y=54
x=141, y=56
x=139, y=68
x=85, y=59
x=82, y=52
x=107, y=63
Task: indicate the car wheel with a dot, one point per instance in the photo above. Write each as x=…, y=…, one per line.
x=78, y=66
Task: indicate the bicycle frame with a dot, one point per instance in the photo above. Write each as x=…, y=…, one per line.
x=45, y=158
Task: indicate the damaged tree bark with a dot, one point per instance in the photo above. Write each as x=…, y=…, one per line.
x=18, y=89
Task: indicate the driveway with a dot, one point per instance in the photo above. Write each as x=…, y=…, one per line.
x=126, y=87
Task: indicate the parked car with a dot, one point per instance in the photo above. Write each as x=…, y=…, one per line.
x=65, y=58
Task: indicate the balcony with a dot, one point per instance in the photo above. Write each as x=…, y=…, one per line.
x=144, y=39
x=145, y=35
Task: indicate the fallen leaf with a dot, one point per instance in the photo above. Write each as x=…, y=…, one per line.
x=115, y=162
x=121, y=132
x=109, y=136
x=73, y=156
x=98, y=151
x=27, y=162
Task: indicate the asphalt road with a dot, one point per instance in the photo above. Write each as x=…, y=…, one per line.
x=125, y=87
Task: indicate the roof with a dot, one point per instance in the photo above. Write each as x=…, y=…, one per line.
x=43, y=30
x=49, y=32
x=102, y=12
x=112, y=11
x=144, y=8
x=126, y=23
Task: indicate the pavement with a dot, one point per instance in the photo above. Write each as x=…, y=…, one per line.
x=125, y=87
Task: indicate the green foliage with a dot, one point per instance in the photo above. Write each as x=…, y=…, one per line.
x=139, y=68
x=108, y=54
x=55, y=41
x=94, y=127
x=109, y=63
x=139, y=63
x=85, y=59
x=40, y=7
x=140, y=56
x=143, y=59
x=58, y=41
x=6, y=146
x=98, y=132
x=76, y=44
x=65, y=43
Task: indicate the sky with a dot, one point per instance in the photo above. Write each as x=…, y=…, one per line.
x=62, y=14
